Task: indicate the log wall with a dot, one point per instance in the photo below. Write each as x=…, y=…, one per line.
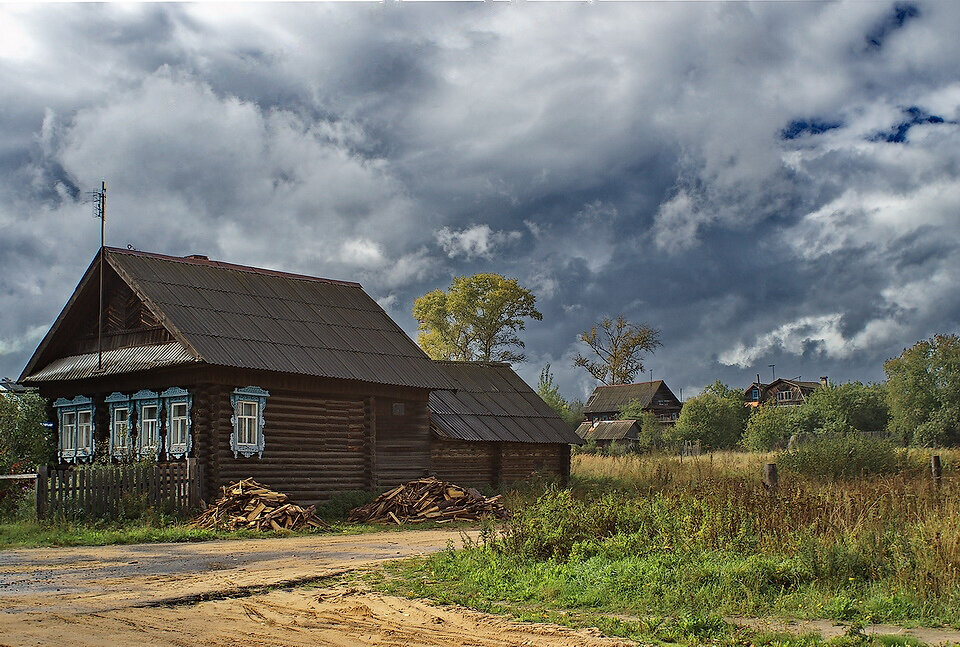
x=494, y=464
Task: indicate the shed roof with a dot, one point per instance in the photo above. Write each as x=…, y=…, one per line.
x=615, y=397
x=609, y=430
x=492, y=403
x=246, y=317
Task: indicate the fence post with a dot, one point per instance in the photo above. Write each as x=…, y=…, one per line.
x=936, y=470
x=40, y=493
x=770, y=478
x=193, y=484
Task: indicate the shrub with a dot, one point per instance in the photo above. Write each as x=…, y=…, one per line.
x=844, y=456
x=769, y=428
x=714, y=420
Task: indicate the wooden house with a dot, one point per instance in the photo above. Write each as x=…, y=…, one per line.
x=302, y=383
x=604, y=432
x=606, y=402
x=494, y=428
x=780, y=392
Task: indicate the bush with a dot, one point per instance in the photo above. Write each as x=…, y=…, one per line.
x=716, y=421
x=769, y=428
x=847, y=456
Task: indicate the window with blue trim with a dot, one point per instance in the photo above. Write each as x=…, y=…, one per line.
x=755, y=395
x=76, y=428
x=147, y=428
x=121, y=410
x=177, y=403
x=247, y=438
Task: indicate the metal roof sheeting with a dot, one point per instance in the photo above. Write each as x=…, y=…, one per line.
x=245, y=317
x=120, y=360
x=609, y=430
x=493, y=404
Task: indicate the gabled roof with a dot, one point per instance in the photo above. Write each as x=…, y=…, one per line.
x=615, y=397
x=492, y=403
x=246, y=317
x=609, y=430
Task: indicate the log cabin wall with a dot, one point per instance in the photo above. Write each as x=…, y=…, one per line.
x=402, y=440
x=465, y=463
x=495, y=464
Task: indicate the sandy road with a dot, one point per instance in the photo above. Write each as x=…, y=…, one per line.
x=146, y=595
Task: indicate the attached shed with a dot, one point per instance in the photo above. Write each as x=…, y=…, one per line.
x=302, y=383
x=494, y=428
x=604, y=432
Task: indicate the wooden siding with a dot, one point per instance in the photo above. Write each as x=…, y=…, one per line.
x=403, y=442
x=494, y=464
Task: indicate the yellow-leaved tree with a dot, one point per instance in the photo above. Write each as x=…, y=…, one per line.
x=476, y=319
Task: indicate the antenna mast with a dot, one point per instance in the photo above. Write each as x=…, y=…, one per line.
x=100, y=211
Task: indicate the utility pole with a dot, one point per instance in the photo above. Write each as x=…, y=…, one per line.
x=773, y=371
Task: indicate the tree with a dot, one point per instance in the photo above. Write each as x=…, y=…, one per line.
x=549, y=392
x=923, y=392
x=716, y=418
x=770, y=427
x=651, y=429
x=24, y=441
x=620, y=346
x=477, y=319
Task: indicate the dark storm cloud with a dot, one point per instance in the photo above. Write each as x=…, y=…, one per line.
x=769, y=183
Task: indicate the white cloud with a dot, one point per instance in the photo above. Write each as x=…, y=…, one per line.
x=473, y=241
x=363, y=252
x=22, y=342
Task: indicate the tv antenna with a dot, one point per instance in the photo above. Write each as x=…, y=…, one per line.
x=99, y=200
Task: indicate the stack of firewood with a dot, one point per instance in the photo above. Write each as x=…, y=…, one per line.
x=248, y=504
x=429, y=499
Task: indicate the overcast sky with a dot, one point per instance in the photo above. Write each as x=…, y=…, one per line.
x=767, y=183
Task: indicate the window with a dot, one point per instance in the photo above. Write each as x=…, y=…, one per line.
x=755, y=395
x=147, y=427
x=248, y=421
x=77, y=428
x=399, y=409
x=784, y=395
x=68, y=434
x=177, y=404
x=120, y=409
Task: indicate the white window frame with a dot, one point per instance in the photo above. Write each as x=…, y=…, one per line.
x=785, y=396
x=147, y=444
x=71, y=449
x=247, y=396
x=175, y=396
x=120, y=434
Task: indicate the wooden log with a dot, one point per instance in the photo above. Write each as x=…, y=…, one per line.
x=770, y=477
x=936, y=470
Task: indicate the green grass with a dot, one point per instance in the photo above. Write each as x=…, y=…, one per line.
x=641, y=541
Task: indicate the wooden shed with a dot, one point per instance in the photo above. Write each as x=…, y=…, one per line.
x=604, y=432
x=495, y=429
x=304, y=384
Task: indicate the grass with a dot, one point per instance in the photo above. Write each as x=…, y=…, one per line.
x=665, y=541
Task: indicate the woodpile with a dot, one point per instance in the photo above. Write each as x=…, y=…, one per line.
x=248, y=504
x=429, y=499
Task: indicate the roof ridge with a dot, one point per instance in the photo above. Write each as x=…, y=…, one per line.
x=197, y=259
x=600, y=386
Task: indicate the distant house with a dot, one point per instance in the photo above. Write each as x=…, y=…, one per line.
x=9, y=387
x=606, y=402
x=780, y=392
x=604, y=432
x=303, y=383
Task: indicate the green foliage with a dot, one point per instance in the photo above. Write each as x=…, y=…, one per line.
x=769, y=427
x=651, y=436
x=923, y=392
x=846, y=456
x=620, y=345
x=716, y=418
x=846, y=406
x=477, y=319
x=24, y=443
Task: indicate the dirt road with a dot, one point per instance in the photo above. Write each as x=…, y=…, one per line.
x=147, y=595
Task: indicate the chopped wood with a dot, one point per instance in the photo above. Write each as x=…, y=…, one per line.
x=248, y=504
x=429, y=499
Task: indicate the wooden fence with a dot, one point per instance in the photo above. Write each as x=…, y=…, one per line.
x=111, y=491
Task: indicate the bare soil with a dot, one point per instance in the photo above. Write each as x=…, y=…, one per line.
x=831, y=629
x=213, y=593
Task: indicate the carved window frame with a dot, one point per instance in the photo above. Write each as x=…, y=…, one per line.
x=76, y=406
x=140, y=400
x=257, y=396
x=171, y=397
x=119, y=402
